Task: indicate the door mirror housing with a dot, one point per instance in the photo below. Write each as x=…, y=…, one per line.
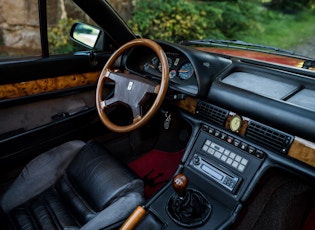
x=86, y=35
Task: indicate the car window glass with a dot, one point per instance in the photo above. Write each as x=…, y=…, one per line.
x=19, y=29
x=286, y=24
x=61, y=15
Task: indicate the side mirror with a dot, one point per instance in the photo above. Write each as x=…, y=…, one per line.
x=85, y=35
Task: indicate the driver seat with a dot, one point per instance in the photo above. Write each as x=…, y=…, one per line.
x=76, y=185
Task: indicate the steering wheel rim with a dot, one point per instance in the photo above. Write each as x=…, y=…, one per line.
x=160, y=90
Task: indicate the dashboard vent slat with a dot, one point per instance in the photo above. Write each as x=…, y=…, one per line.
x=211, y=112
x=269, y=137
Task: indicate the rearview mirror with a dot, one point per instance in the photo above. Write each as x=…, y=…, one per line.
x=85, y=34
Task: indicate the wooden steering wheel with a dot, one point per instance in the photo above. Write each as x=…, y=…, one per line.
x=131, y=89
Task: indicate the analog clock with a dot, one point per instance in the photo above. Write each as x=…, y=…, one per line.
x=235, y=123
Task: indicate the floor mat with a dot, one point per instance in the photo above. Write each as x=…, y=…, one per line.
x=156, y=168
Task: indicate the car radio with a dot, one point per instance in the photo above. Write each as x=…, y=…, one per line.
x=228, y=180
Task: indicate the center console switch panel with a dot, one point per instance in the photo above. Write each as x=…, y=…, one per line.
x=223, y=160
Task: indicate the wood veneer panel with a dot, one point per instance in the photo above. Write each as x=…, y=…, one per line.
x=303, y=150
x=39, y=86
x=189, y=104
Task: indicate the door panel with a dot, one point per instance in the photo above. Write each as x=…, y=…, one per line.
x=44, y=103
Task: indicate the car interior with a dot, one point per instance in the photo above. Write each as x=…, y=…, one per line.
x=155, y=135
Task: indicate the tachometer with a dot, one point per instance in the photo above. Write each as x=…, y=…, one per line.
x=155, y=61
x=170, y=62
x=186, y=71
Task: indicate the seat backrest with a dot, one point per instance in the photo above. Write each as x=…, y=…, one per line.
x=94, y=190
x=94, y=180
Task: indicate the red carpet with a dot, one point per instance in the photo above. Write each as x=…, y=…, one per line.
x=310, y=221
x=156, y=168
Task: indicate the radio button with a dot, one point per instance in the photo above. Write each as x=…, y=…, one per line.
x=226, y=152
x=217, y=154
x=229, y=161
x=211, y=151
x=232, y=155
x=205, y=148
x=223, y=158
x=234, y=164
x=217, y=147
x=244, y=161
x=238, y=158
x=241, y=168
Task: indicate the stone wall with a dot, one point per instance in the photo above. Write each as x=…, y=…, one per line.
x=17, y=16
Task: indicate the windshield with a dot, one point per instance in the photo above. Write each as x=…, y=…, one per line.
x=286, y=25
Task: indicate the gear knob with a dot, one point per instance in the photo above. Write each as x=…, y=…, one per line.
x=179, y=183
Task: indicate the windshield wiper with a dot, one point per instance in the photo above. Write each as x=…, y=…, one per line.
x=308, y=64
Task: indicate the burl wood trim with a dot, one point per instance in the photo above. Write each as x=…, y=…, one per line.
x=39, y=86
x=303, y=150
x=189, y=104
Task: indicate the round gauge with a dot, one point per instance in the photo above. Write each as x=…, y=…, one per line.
x=172, y=74
x=186, y=71
x=155, y=61
x=146, y=66
x=170, y=62
x=235, y=123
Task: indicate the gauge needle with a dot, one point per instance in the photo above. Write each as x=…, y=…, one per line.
x=183, y=71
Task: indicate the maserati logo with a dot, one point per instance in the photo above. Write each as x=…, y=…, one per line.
x=130, y=84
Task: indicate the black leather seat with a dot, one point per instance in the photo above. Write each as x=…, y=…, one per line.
x=73, y=186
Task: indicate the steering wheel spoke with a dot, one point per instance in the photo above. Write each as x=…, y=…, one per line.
x=103, y=105
x=131, y=89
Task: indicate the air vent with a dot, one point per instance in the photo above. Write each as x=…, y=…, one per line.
x=211, y=112
x=269, y=137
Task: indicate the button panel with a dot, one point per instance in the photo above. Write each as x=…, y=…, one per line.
x=236, y=161
x=234, y=141
x=225, y=159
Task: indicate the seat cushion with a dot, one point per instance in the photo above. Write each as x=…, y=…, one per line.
x=44, y=211
x=94, y=191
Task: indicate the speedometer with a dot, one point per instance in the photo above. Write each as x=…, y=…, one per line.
x=186, y=71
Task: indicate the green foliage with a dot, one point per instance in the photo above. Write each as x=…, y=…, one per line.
x=177, y=20
x=238, y=18
x=59, y=38
x=290, y=6
x=173, y=20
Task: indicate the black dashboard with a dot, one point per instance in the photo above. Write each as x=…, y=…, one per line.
x=190, y=71
x=277, y=96
x=248, y=117
x=275, y=104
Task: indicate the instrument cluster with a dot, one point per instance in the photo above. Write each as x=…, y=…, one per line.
x=179, y=67
x=181, y=71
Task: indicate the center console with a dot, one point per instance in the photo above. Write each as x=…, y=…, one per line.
x=220, y=167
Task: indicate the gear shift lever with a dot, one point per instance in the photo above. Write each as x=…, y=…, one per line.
x=187, y=207
x=179, y=183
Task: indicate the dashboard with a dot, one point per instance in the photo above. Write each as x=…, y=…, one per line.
x=190, y=71
x=271, y=106
x=247, y=117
